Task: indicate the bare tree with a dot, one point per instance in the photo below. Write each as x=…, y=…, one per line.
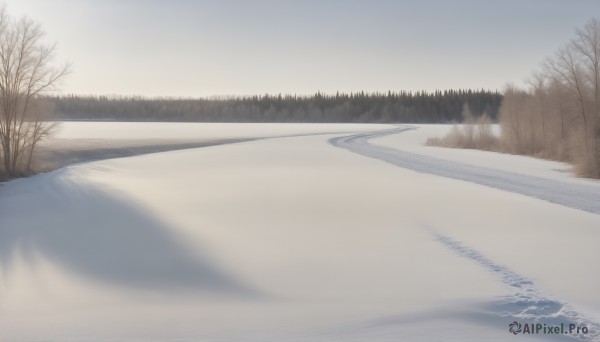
x=559, y=116
x=568, y=70
x=538, y=87
x=468, y=126
x=26, y=72
x=558, y=103
x=512, y=119
x=587, y=45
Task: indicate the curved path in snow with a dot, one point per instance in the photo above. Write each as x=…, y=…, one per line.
x=571, y=195
x=528, y=302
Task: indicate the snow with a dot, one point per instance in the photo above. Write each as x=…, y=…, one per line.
x=414, y=141
x=286, y=239
x=186, y=130
x=584, y=194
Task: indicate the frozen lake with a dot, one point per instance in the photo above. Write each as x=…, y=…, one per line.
x=307, y=232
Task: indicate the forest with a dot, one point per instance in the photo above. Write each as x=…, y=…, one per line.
x=404, y=106
x=557, y=116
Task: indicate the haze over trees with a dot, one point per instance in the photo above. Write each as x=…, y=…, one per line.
x=404, y=106
x=26, y=72
x=558, y=115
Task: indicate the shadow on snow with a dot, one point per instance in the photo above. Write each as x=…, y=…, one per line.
x=96, y=234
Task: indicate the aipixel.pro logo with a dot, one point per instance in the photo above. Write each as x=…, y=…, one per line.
x=543, y=329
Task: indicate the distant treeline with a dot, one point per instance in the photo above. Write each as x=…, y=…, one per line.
x=404, y=106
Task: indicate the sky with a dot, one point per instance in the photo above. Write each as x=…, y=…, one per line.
x=184, y=48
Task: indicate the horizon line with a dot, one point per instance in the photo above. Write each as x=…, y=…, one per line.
x=268, y=94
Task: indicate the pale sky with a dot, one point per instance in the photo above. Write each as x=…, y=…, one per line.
x=225, y=47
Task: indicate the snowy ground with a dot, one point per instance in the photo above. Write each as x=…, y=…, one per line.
x=297, y=238
x=76, y=142
x=554, y=184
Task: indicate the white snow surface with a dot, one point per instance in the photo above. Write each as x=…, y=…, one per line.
x=204, y=131
x=583, y=195
x=290, y=239
x=414, y=141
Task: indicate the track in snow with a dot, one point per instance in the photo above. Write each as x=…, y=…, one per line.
x=528, y=304
x=571, y=195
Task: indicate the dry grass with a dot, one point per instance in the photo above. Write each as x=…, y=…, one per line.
x=474, y=133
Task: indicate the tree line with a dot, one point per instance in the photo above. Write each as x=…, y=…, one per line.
x=403, y=106
x=26, y=72
x=557, y=116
